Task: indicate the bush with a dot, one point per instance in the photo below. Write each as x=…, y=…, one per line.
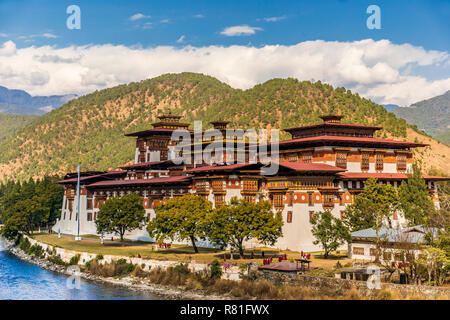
x=56, y=260
x=24, y=244
x=130, y=268
x=215, y=270
x=99, y=257
x=74, y=260
x=121, y=261
x=182, y=268
x=35, y=250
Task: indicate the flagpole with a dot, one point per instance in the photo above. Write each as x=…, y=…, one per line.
x=78, y=202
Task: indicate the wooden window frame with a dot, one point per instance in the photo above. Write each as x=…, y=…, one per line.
x=365, y=161
x=341, y=159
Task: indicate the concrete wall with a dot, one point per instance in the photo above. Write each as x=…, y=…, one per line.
x=146, y=264
x=335, y=284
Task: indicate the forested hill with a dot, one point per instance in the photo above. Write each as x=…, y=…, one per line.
x=90, y=129
x=431, y=115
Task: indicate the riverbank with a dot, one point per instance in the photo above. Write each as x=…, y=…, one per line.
x=128, y=282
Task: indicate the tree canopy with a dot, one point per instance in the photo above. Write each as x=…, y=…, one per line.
x=181, y=217
x=119, y=215
x=240, y=221
x=330, y=232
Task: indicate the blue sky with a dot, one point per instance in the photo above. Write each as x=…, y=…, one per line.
x=420, y=23
x=122, y=41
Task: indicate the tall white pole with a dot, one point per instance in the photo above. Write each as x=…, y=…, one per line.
x=78, y=203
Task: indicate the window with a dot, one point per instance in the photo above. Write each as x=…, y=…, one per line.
x=358, y=250
x=89, y=204
x=64, y=215
x=289, y=216
x=373, y=252
x=219, y=200
x=70, y=204
x=70, y=217
x=379, y=161
x=401, y=162
x=365, y=156
x=307, y=157
x=89, y=216
x=278, y=200
x=249, y=198
x=292, y=157
x=341, y=159
x=311, y=216
x=310, y=199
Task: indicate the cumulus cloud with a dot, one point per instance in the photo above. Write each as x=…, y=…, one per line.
x=239, y=30
x=138, y=16
x=181, y=39
x=8, y=49
x=380, y=70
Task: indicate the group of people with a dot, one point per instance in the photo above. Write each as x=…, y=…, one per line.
x=305, y=256
x=164, y=245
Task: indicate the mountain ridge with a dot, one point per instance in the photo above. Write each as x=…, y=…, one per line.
x=21, y=102
x=90, y=129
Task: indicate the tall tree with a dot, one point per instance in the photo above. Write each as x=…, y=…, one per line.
x=415, y=202
x=372, y=208
x=182, y=218
x=241, y=221
x=119, y=215
x=329, y=232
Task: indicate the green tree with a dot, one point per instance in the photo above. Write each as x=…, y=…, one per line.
x=181, y=217
x=241, y=221
x=375, y=205
x=415, y=202
x=329, y=232
x=118, y=215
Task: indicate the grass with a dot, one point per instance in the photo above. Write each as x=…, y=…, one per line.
x=181, y=253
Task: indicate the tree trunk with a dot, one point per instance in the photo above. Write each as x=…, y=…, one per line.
x=241, y=251
x=325, y=255
x=193, y=244
x=121, y=239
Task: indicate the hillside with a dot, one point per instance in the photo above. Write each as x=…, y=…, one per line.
x=431, y=115
x=91, y=129
x=11, y=123
x=21, y=102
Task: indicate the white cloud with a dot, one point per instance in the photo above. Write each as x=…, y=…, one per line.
x=274, y=19
x=8, y=49
x=164, y=21
x=380, y=70
x=138, y=16
x=3, y=35
x=181, y=39
x=239, y=30
x=49, y=35
x=199, y=16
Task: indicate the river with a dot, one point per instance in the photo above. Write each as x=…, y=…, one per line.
x=20, y=280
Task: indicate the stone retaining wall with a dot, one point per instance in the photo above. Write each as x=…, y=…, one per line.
x=231, y=273
x=335, y=284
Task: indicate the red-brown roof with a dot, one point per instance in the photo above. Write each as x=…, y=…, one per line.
x=84, y=178
x=386, y=176
x=221, y=167
x=145, y=164
x=160, y=180
x=375, y=141
x=156, y=131
x=333, y=124
x=302, y=166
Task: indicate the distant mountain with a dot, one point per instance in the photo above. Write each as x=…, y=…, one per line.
x=431, y=115
x=20, y=102
x=390, y=107
x=90, y=129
